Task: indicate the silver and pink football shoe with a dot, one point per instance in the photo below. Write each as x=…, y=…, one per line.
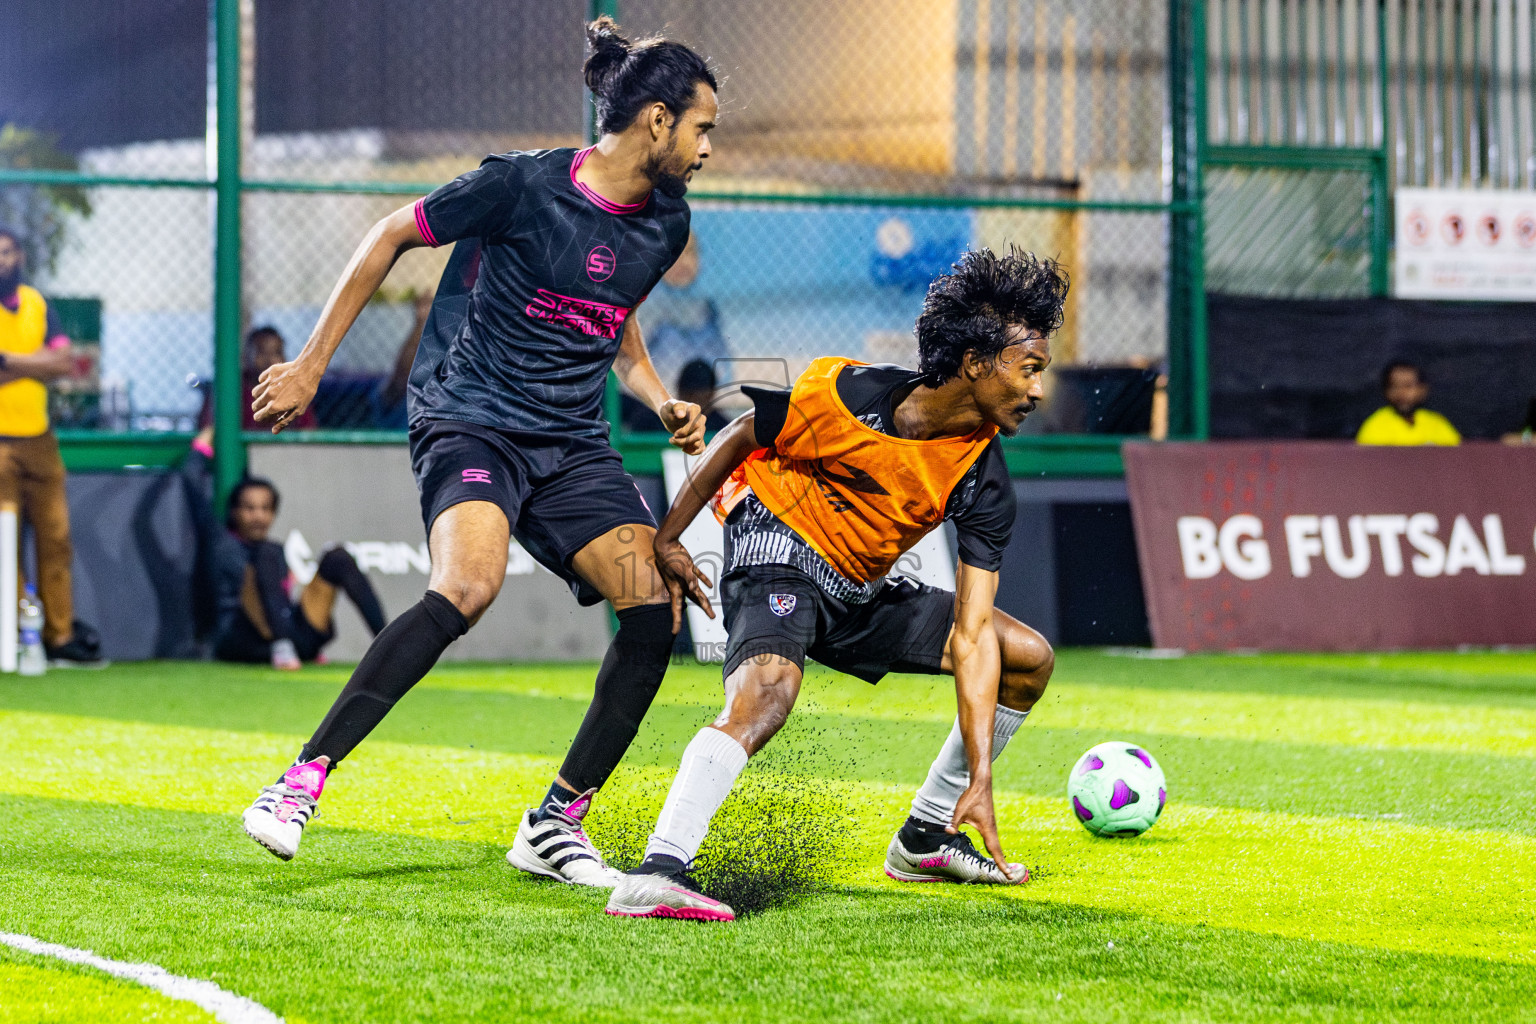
x=661, y=887
x=957, y=860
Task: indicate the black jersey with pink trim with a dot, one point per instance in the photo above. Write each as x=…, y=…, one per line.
x=532, y=305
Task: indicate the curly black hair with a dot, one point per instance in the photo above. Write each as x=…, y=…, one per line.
x=975, y=307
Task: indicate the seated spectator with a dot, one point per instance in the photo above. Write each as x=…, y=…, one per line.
x=258, y=621
x=34, y=351
x=696, y=383
x=264, y=347
x=680, y=323
x=1404, y=420
x=1527, y=432
x=388, y=399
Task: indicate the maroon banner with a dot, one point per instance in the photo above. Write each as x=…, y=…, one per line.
x=1329, y=546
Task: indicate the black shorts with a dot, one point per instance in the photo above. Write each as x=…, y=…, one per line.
x=242, y=642
x=778, y=610
x=558, y=493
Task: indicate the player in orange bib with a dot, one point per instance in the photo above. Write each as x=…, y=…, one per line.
x=822, y=489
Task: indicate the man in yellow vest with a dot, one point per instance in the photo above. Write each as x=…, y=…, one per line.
x=33, y=351
x=1404, y=420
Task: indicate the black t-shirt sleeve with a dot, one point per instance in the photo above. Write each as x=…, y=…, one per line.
x=985, y=510
x=771, y=406
x=481, y=203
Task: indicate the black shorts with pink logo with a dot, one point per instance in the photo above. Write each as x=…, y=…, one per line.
x=776, y=611
x=559, y=493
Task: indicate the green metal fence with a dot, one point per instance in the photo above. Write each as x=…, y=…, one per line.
x=861, y=147
x=1318, y=108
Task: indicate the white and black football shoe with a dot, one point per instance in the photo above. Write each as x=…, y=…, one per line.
x=552, y=844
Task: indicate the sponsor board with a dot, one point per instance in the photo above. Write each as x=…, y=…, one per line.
x=364, y=498
x=1333, y=546
x=1465, y=244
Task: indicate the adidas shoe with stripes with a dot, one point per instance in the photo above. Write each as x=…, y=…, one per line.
x=552, y=844
x=277, y=819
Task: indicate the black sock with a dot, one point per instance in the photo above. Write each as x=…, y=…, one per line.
x=921, y=836
x=557, y=799
x=660, y=864
x=626, y=685
x=400, y=655
x=338, y=569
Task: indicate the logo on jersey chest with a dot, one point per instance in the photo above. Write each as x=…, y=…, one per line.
x=781, y=604
x=601, y=263
x=597, y=319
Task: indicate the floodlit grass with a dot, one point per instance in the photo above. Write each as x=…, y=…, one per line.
x=1348, y=839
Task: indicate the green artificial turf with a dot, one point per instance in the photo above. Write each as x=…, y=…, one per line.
x=1348, y=838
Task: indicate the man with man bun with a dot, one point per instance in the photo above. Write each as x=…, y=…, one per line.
x=556, y=249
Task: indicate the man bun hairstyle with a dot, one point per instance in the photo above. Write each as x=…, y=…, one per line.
x=980, y=302
x=626, y=76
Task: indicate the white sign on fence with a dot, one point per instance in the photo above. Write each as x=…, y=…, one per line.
x=1465, y=244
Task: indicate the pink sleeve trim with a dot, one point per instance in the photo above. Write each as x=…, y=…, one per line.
x=59, y=341
x=423, y=226
x=203, y=446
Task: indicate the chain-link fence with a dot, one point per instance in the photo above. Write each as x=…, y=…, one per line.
x=861, y=148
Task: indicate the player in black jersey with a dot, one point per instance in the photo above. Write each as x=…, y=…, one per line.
x=555, y=250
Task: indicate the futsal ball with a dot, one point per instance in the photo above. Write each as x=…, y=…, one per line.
x=1117, y=789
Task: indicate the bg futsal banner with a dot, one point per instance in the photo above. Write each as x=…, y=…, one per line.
x=1335, y=547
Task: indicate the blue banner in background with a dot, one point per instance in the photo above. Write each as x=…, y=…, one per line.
x=800, y=282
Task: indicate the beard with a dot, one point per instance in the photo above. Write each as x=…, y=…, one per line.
x=670, y=183
x=673, y=186
x=8, y=282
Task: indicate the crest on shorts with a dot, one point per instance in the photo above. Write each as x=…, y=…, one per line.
x=781, y=604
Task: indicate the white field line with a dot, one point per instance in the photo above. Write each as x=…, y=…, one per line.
x=225, y=1006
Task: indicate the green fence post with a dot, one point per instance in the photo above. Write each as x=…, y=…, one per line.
x=1381, y=184
x=228, y=449
x=612, y=404
x=1199, y=363
x=1188, y=406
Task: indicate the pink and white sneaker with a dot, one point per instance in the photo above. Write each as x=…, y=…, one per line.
x=956, y=861
x=665, y=890
x=277, y=819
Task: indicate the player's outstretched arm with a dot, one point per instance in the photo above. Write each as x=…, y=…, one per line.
x=978, y=667
x=729, y=449
x=683, y=420
x=286, y=389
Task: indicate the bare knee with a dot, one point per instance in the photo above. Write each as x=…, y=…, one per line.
x=470, y=595
x=1028, y=662
x=759, y=698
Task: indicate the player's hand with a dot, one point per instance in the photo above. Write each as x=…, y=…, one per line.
x=683, y=580
x=282, y=394
x=975, y=808
x=686, y=422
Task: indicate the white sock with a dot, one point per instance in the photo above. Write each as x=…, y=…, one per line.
x=950, y=774
x=704, y=779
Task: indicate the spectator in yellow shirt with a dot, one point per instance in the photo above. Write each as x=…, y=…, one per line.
x=1404, y=420
x=34, y=351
